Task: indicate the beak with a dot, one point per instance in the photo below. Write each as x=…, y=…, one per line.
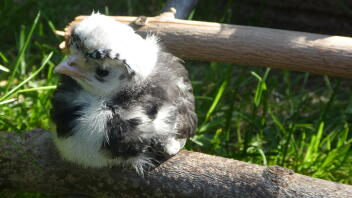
x=69, y=67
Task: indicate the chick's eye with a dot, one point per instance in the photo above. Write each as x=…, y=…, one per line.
x=101, y=72
x=96, y=54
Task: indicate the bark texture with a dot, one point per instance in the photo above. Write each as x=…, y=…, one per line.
x=244, y=45
x=30, y=163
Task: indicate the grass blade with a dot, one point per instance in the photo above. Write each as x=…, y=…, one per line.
x=8, y=101
x=3, y=57
x=318, y=137
x=26, y=80
x=261, y=87
x=262, y=154
x=20, y=46
x=3, y=68
x=22, y=51
x=216, y=100
x=218, y=96
x=37, y=89
x=314, y=144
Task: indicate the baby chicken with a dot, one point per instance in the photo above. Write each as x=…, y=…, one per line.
x=121, y=100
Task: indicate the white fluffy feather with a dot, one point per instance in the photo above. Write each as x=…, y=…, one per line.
x=84, y=146
x=103, y=32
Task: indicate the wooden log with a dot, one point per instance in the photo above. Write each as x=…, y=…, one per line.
x=30, y=163
x=244, y=45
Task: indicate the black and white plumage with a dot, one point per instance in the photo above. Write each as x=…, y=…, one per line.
x=122, y=100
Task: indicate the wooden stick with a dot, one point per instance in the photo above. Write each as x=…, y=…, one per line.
x=244, y=45
x=30, y=163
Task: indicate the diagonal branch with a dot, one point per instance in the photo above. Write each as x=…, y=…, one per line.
x=245, y=45
x=30, y=163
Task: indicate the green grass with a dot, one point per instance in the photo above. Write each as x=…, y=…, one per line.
x=263, y=116
x=261, y=120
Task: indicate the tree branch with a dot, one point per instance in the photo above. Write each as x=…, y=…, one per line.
x=30, y=163
x=245, y=45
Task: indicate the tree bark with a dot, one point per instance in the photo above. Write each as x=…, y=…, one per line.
x=244, y=45
x=30, y=163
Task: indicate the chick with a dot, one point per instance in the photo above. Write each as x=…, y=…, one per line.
x=122, y=100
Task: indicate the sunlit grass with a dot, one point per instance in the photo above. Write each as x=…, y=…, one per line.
x=25, y=93
x=306, y=130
